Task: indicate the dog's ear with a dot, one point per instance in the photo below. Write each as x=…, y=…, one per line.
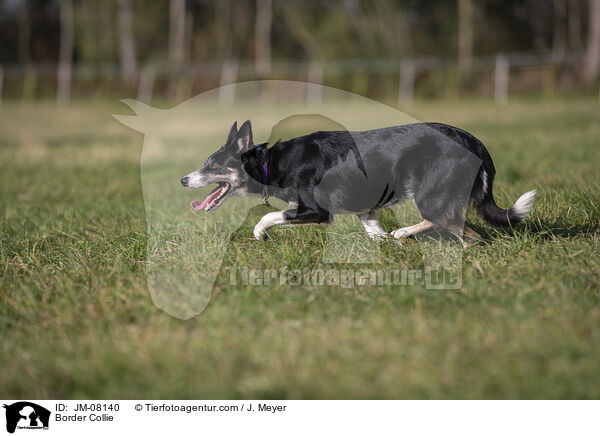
x=232, y=134
x=244, y=139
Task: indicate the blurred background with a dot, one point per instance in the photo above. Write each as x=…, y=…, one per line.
x=391, y=50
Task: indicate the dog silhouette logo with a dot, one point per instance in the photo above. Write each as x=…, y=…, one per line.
x=26, y=415
x=353, y=156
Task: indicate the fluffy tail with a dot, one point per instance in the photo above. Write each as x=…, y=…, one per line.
x=489, y=211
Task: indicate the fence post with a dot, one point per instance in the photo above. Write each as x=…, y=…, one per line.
x=29, y=83
x=407, y=83
x=501, y=79
x=548, y=80
x=314, y=87
x=63, y=94
x=229, y=74
x=146, y=84
x=1, y=82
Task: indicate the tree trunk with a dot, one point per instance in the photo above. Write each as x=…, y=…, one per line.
x=574, y=25
x=127, y=50
x=176, y=42
x=592, y=56
x=465, y=36
x=65, y=60
x=559, y=34
x=224, y=43
x=536, y=12
x=262, y=30
x=24, y=33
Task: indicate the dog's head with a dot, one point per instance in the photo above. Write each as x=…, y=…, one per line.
x=223, y=167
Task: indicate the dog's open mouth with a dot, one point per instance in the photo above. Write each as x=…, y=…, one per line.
x=214, y=199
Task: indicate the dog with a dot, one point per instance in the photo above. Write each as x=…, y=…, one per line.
x=444, y=169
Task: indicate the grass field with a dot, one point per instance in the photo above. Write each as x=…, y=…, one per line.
x=76, y=319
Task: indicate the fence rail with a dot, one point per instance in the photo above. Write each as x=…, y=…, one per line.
x=494, y=72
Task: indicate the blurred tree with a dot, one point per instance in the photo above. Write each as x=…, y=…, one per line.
x=540, y=14
x=434, y=28
x=574, y=9
x=262, y=30
x=97, y=40
x=296, y=23
x=65, y=60
x=242, y=29
x=151, y=29
x=465, y=36
x=24, y=49
x=592, y=57
x=131, y=33
x=380, y=28
x=176, y=53
x=127, y=52
x=559, y=37
x=223, y=30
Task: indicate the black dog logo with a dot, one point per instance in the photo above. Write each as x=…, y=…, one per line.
x=26, y=415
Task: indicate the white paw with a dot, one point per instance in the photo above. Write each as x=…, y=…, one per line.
x=400, y=234
x=260, y=233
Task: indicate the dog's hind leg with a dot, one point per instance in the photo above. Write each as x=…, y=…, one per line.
x=372, y=225
x=290, y=217
x=470, y=233
x=405, y=232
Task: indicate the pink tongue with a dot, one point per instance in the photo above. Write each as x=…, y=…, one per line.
x=196, y=205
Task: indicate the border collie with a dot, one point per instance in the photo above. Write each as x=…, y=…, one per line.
x=442, y=168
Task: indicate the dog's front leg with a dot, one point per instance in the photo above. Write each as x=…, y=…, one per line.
x=372, y=225
x=269, y=220
x=288, y=217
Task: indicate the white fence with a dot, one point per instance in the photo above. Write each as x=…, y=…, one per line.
x=408, y=72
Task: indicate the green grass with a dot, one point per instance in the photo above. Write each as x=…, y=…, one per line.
x=76, y=319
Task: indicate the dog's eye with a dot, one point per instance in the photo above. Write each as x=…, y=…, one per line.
x=214, y=165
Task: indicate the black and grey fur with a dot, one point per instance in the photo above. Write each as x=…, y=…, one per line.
x=442, y=168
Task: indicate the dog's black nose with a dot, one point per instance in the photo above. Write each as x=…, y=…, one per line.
x=184, y=181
